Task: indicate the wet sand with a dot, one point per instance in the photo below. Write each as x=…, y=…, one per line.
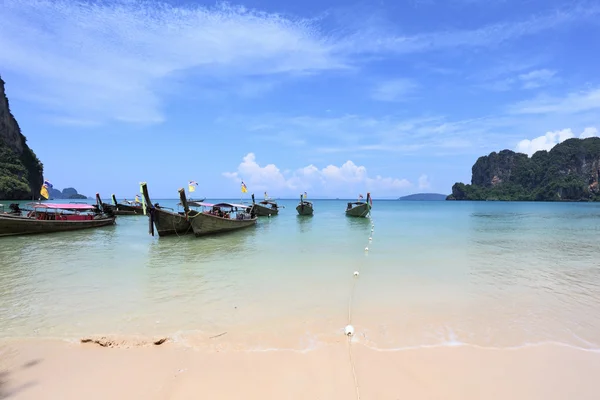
x=50, y=369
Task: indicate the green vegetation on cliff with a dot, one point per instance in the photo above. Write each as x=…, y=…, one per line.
x=21, y=173
x=568, y=172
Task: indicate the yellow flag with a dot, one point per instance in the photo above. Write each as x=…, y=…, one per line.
x=44, y=192
x=137, y=198
x=244, y=188
x=191, y=188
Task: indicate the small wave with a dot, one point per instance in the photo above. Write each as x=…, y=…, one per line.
x=477, y=346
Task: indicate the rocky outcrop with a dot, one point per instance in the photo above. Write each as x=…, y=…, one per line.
x=568, y=172
x=21, y=173
x=67, y=193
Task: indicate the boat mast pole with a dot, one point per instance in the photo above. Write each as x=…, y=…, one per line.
x=184, y=202
x=99, y=202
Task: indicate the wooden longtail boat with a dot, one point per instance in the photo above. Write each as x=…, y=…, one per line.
x=166, y=222
x=304, y=207
x=265, y=208
x=49, y=217
x=124, y=209
x=359, y=208
x=218, y=218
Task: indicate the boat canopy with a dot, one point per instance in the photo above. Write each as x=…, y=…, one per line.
x=241, y=205
x=231, y=205
x=268, y=202
x=198, y=204
x=58, y=206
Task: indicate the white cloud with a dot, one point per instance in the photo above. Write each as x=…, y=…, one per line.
x=109, y=60
x=537, y=78
x=393, y=90
x=424, y=182
x=373, y=42
x=342, y=180
x=589, y=132
x=570, y=104
x=551, y=139
x=106, y=61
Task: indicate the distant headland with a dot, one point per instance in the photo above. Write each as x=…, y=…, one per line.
x=568, y=172
x=424, y=197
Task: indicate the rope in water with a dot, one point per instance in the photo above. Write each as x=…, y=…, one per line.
x=350, y=332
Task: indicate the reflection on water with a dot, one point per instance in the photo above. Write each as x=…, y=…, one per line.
x=304, y=222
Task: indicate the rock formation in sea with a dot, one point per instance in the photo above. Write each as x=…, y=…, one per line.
x=568, y=172
x=67, y=193
x=21, y=173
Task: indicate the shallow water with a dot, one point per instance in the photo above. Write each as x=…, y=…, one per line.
x=437, y=273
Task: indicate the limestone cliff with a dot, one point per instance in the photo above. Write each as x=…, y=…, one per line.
x=568, y=172
x=21, y=173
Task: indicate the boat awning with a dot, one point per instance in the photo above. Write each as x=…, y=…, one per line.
x=58, y=206
x=198, y=204
x=231, y=205
x=241, y=205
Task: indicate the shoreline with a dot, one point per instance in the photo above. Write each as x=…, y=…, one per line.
x=36, y=368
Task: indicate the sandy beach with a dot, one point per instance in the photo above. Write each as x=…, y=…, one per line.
x=35, y=369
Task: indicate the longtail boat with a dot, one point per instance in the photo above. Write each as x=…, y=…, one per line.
x=360, y=208
x=304, y=207
x=166, y=222
x=218, y=218
x=265, y=208
x=51, y=217
x=129, y=208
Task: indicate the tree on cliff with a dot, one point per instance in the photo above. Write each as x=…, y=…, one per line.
x=568, y=172
x=21, y=173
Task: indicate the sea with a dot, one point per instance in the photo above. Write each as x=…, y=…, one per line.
x=416, y=274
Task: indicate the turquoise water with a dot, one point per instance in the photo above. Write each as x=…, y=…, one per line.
x=437, y=273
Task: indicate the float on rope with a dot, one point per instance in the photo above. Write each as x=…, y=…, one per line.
x=349, y=330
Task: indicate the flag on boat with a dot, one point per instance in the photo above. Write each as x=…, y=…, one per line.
x=360, y=196
x=244, y=188
x=137, y=199
x=305, y=195
x=44, y=190
x=192, y=186
x=266, y=196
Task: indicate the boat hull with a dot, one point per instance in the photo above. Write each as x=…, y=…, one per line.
x=169, y=223
x=123, y=209
x=263, y=211
x=17, y=225
x=206, y=224
x=359, y=211
x=304, y=209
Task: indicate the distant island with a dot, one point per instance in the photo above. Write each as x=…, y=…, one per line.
x=21, y=173
x=568, y=172
x=68, y=193
x=424, y=197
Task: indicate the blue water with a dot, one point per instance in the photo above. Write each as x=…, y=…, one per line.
x=490, y=273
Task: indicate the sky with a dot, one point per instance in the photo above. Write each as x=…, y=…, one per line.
x=330, y=97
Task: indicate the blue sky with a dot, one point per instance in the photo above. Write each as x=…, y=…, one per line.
x=334, y=98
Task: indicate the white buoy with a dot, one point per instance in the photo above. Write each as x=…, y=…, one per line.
x=355, y=273
x=349, y=331
x=370, y=239
x=366, y=249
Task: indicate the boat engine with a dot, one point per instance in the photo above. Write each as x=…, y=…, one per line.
x=14, y=209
